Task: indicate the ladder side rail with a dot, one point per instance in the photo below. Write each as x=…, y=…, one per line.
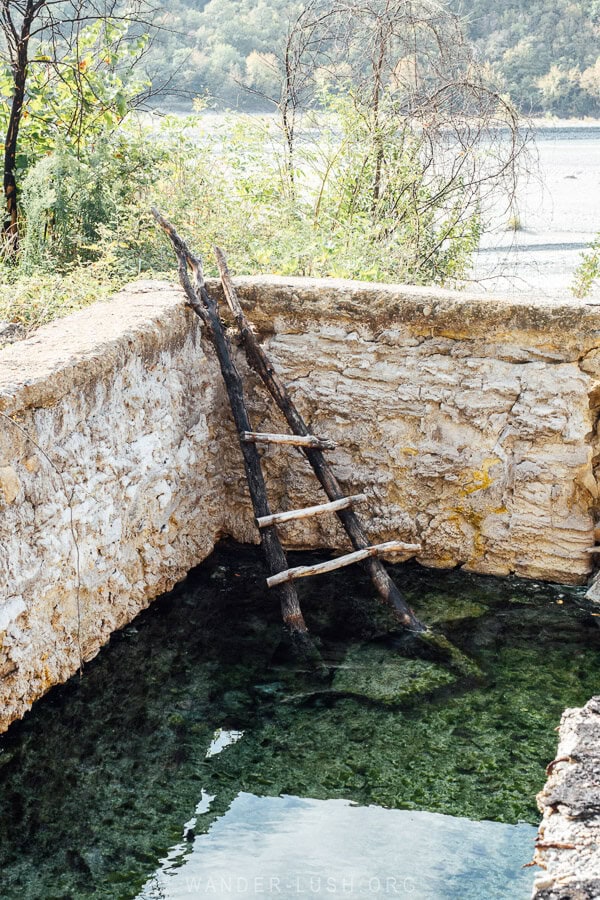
x=206, y=308
x=260, y=362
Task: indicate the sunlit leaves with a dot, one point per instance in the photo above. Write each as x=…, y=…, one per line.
x=72, y=99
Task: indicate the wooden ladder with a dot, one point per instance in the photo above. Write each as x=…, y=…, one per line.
x=281, y=577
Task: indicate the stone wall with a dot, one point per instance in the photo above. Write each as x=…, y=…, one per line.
x=470, y=422
x=110, y=480
x=569, y=835
x=467, y=419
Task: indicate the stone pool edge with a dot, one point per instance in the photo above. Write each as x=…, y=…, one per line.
x=471, y=422
x=568, y=842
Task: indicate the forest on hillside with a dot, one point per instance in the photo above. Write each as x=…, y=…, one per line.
x=545, y=57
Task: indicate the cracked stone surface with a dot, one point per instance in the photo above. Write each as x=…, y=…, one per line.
x=471, y=424
x=568, y=845
x=110, y=488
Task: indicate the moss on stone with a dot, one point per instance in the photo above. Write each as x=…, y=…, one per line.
x=372, y=672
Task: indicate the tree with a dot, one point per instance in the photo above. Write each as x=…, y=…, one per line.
x=590, y=83
x=291, y=74
x=421, y=134
x=588, y=270
x=46, y=46
x=562, y=92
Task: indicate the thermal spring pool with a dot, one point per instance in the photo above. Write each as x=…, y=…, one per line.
x=196, y=757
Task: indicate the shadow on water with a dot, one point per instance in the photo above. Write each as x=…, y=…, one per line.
x=97, y=782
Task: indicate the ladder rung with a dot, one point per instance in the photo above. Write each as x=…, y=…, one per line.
x=297, y=440
x=279, y=518
x=340, y=561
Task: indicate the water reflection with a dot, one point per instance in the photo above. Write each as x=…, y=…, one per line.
x=290, y=847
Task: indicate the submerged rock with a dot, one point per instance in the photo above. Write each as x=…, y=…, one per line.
x=369, y=672
x=436, y=608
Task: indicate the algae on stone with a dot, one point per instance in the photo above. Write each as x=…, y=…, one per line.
x=374, y=673
x=436, y=608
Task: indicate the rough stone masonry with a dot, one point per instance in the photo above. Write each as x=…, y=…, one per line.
x=567, y=848
x=470, y=422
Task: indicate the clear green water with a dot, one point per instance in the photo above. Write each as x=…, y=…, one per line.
x=98, y=782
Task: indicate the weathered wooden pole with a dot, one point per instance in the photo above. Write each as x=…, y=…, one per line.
x=206, y=308
x=260, y=362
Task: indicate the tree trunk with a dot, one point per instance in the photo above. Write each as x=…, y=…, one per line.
x=377, y=137
x=19, y=63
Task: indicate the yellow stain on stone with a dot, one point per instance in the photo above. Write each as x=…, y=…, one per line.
x=32, y=464
x=9, y=484
x=465, y=515
x=470, y=516
x=480, y=479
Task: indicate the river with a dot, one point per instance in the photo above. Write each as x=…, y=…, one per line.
x=559, y=214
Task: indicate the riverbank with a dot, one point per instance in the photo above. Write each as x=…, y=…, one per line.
x=536, y=246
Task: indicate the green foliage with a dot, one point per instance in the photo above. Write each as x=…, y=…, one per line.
x=69, y=203
x=588, y=270
x=232, y=189
x=541, y=52
x=41, y=296
x=210, y=57
x=223, y=181
x=72, y=104
x=79, y=168
x=357, y=194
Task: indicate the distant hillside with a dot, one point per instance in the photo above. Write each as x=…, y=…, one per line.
x=545, y=55
x=210, y=46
